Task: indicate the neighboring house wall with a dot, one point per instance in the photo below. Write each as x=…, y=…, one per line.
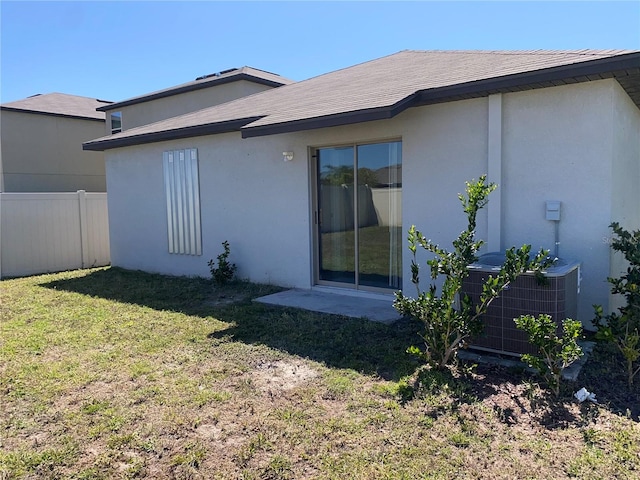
x=557, y=144
x=43, y=153
x=171, y=106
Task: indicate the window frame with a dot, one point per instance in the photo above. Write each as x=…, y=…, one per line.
x=117, y=115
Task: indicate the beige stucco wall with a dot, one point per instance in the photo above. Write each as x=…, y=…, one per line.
x=557, y=144
x=625, y=171
x=172, y=106
x=43, y=153
x=248, y=196
x=260, y=203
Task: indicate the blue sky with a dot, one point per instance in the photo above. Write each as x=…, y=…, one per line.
x=116, y=50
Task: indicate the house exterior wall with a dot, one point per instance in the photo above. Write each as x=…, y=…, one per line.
x=43, y=153
x=557, y=144
x=174, y=105
x=246, y=190
x=248, y=196
x=625, y=207
x=626, y=160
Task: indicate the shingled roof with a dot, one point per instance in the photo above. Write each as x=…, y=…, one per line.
x=249, y=74
x=383, y=88
x=60, y=105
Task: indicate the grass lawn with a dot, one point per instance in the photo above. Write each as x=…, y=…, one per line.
x=107, y=373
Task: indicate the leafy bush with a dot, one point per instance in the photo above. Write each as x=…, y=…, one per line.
x=623, y=328
x=225, y=270
x=555, y=353
x=449, y=317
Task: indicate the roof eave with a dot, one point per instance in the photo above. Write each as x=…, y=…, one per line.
x=618, y=66
x=584, y=71
x=574, y=73
x=336, y=120
x=186, y=132
x=51, y=114
x=190, y=88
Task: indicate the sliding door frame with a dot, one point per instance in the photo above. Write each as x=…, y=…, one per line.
x=316, y=215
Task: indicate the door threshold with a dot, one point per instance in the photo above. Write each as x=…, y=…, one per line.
x=352, y=292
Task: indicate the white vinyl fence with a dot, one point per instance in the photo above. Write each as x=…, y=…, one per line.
x=52, y=232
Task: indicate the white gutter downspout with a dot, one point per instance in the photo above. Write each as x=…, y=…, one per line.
x=494, y=173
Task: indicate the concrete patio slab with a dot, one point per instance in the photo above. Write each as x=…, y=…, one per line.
x=375, y=307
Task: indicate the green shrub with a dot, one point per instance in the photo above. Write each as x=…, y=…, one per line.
x=225, y=270
x=448, y=316
x=623, y=328
x=554, y=353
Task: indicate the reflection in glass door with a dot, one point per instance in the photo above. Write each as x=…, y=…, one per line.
x=359, y=196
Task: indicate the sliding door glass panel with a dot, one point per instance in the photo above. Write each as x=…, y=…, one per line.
x=379, y=178
x=336, y=215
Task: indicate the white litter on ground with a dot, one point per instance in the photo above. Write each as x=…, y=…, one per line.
x=583, y=395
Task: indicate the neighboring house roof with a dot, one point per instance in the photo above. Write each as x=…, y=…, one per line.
x=385, y=87
x=60, y=105
x=226, y=76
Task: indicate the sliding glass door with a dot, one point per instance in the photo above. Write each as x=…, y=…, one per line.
x=358, y=215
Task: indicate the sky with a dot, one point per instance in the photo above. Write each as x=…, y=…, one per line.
x=117, y=50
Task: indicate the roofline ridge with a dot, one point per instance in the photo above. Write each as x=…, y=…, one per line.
x=345, y=68
x=583, y=51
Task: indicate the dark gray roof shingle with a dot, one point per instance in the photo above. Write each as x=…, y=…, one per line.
x=59, y=104
x=384, y=87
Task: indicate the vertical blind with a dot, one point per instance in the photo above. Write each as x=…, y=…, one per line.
x=183, y=201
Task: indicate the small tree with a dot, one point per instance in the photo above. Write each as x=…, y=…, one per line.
x=623, y=328
x=554, y=353
x=449, y=318
x=225, y=270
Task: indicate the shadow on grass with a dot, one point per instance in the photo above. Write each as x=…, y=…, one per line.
x=340, y=342
x=159, y=292
x=188, y=295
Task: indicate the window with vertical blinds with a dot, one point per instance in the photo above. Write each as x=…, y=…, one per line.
x=182, y=194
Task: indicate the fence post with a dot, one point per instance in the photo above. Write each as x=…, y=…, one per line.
x=84, y=231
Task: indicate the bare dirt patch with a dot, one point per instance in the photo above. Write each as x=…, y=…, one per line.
x=282, y=375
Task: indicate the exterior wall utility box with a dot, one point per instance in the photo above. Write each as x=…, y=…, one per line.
x=553, y=210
